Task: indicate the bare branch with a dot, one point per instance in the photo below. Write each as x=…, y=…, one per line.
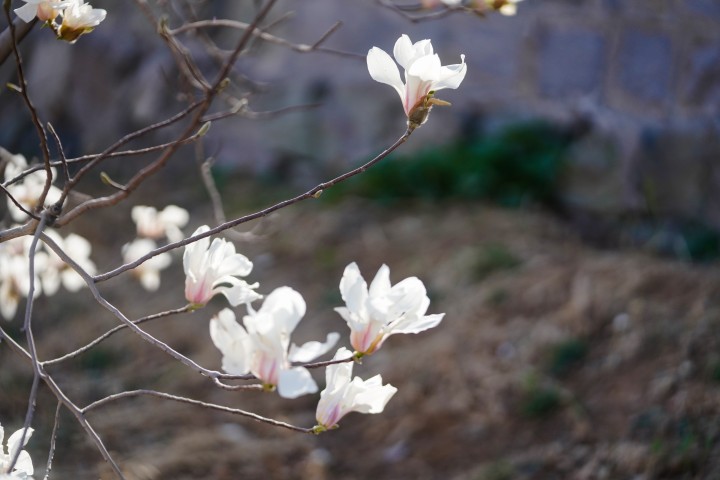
x=312, y=193
x=109, y=333
x=53, y=438
x=211, y=406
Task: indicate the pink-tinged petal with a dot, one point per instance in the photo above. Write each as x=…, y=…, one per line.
x=383, y=69
x=295, y=382
x=309, y=351
x=415, y=90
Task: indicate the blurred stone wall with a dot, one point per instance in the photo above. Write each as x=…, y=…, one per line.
x=644, y=73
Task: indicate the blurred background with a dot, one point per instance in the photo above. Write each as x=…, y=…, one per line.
x=564, y=213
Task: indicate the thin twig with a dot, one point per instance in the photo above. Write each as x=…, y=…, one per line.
x=53, y=438
x=211, y=406
x=85, y=158
x=60, y=395
x=33, y=112
x=27, y=326
x=112, y=331
x=145, y=173
x=18, y=204
x=120, y=316
x=328, y=363
x=298, y=47
x=61, y=152
x=312, y=193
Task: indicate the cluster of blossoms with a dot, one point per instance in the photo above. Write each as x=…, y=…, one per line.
x=23, y=468
x=261, y=344
x=50, y=270
x=152, y=225
x=505, y=7
x=78, y=17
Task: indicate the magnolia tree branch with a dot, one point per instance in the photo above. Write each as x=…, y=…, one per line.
x=109, y=333
x=216, y=86
x=21, y=29
x=31, y=108
x=104, y=155
x=211, y=406
x=263, y=35
x=27, y=326
x=314, y=192
x=60, y=395
x=53, y=439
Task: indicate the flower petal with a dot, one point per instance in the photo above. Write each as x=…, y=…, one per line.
x=309, y=351
x=295, y=382
x=382, y=69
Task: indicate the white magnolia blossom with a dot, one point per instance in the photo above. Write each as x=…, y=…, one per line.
x=212, y=268
x=23, y=468
x=344, y=394
x=384, y=310
x=44, y=10
x=79, y=18
x=424, y=75
x=27, y=191
x=263, y=346
x=55, y=271
x=149, y=272
x=155, y=224
x=15, y=274
x=510, y=7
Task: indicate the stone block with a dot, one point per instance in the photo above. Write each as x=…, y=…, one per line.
x=570, y=62
x=704, y=7
x=701, y=82
x=646, y=66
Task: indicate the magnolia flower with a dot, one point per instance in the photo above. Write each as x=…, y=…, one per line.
x=149, y=272
x=28, y=190
x=79, y=18
x=424, y=75
x=167, y=223
x=261, y=348
x=23, y=468
x=509, y=7
x=383, y=310
x=212, y=268
x=55, y=271
x=344, y=394
x=44, y=10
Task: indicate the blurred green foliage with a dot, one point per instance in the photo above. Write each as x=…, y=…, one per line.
x=493, y=258
x=520, y=164
x=566, y=355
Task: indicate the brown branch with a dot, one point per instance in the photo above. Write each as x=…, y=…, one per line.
x=31, y=108
x=190, y=401
x=312, y=193
x=109, y=333
x=153, y=168
x=298, y=47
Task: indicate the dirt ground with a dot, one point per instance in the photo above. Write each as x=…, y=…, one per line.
x=554, y=361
